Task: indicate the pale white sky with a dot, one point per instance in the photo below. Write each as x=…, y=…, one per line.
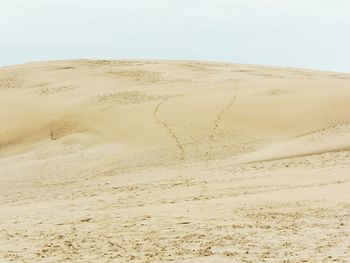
x=297, y=33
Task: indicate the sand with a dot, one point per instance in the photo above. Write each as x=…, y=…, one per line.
x=171, y=161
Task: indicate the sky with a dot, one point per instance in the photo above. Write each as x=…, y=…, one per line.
x=293, y=33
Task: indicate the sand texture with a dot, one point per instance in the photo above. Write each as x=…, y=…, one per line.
x=163, y=161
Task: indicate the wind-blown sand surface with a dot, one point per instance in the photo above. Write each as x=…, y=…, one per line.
x=146, y=161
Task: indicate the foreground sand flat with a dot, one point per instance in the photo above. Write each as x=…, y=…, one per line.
x=148, y=161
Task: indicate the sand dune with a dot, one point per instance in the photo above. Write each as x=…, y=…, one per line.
x=159, y=161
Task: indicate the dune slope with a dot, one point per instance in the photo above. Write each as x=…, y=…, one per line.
x=159, y=161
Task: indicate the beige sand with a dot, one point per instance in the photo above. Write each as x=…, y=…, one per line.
x=148, y=161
